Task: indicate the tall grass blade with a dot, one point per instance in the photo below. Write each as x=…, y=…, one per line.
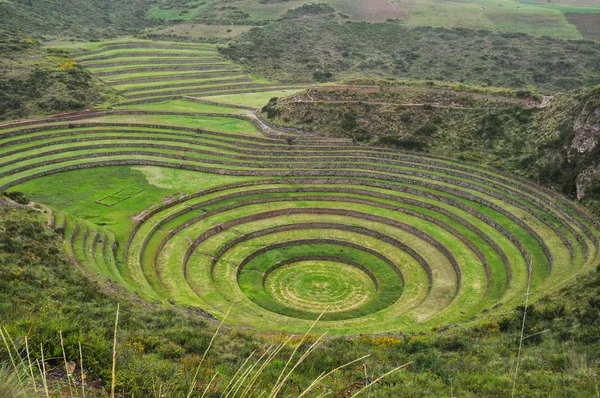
x=294, y=352
x=67, y=372
x=82, y=373
x=302, y=358
x=225, y=391
x=12, y=360
x=377, y=380
x=209, y=384
x=514, y=387
x=30, y=366
x=252, y=380
x=324, y=375
x=114, y=357
x=43, y=372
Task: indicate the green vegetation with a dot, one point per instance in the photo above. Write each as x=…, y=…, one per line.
x=221, y=20
x=440, y=240
x=74, y=18
x=297, y=49
x=309, y=10
x=256, y=100
x=43, y=295
x=402, y=216
x=195, y=32
x=37, y=81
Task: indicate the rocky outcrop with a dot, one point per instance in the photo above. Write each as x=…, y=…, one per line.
x=585, y=179
x=587, y=128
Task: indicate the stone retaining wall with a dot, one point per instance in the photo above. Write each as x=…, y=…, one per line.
x=287, y=129
x=124, y=46
x=92, y=65
x=412, y=191
x=206, y=75
x=201, y=91
x=164, y=69
x=192, y=84
x=275, y=213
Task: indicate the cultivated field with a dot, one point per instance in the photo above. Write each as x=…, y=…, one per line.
x=183, y=205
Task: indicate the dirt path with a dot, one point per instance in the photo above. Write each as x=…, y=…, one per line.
x=381, y=103
x=529, y=102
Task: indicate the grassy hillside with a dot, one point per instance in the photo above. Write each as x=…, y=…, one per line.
x=34, y=80
x=314, y=49
x=88, y=19
x=561, y=19
x=74, y=18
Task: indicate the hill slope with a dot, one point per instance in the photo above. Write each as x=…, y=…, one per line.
x=309, y=50
x=74, y=18
x=36, y=81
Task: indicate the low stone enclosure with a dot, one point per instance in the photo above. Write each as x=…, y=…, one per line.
x=410, y=241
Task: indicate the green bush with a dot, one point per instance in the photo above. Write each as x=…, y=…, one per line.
x=18, y=197
x=322, y=76
x=271, y=108
x=426, y=130
x=409, y=144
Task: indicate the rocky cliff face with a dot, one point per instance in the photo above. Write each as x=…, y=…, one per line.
x=587, y=127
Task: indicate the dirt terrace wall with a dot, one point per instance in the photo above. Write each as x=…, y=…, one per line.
x=164, y=69
x=201, y=91
x=85, y=61
x=140, y=45
x=207, y=75
x=287, y=129
x=377, y=89
x=154, y=62
x=192, y=84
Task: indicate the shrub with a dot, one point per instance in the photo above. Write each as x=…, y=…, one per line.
x=271, y=108
x=409, y=144
x=322, y=76
x=170, y=350
x=426, y=130
x=349, y=120
x=18, y=197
